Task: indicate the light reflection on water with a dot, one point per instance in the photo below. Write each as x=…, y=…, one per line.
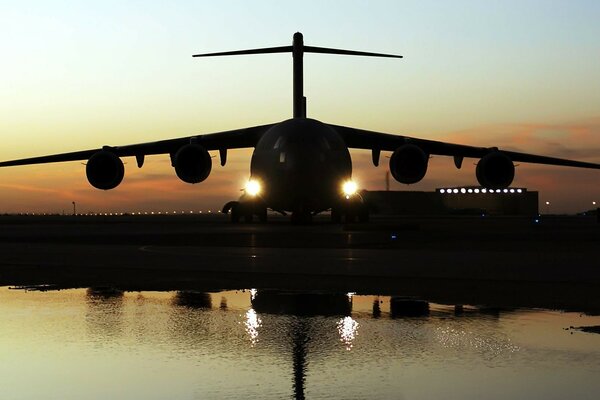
x=90, y=344
x=253, y=322
x=347, y=328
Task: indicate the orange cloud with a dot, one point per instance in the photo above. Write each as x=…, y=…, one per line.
x=579, y=140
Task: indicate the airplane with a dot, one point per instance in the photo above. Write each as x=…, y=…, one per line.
x=300, y=165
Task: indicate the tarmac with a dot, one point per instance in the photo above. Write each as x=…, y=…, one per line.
x=548, y=261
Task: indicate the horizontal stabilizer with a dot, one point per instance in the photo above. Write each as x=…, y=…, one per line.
x=325, y=50
x=306, y=49
x=298, y=49
x=266, y=50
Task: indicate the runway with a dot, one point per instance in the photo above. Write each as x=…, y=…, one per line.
x=513, y=260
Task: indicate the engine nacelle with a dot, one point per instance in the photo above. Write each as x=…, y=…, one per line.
x=192, y=163
x=104, y=170
x=495, y=171
x=408, y=164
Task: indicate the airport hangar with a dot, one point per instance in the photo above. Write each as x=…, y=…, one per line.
x=465, y=200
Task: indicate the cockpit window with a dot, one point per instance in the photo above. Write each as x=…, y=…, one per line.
x=280, y=142
x=325, y=143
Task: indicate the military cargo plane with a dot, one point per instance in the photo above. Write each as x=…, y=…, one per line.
x=299, y=165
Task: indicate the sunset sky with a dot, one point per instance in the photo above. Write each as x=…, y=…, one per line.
x=521, y=75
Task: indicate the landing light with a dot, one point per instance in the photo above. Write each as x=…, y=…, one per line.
x=349, y=188
x=253, y=187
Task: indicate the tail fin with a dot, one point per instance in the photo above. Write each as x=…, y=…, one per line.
x=298, y=49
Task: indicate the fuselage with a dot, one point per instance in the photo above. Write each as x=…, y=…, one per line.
x=301, y=165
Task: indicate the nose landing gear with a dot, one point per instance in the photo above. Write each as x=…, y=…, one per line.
x=350, y=211
x=245, y=210
x=301, y=217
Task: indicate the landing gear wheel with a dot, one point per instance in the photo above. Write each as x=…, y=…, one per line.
x=301, y=217
x=363, y=214
x=363, y=217
x=235, y=213
x=336, y=215
x=350, y=217
x=262, y=215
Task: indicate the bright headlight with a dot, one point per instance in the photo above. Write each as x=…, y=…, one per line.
x=253, y=187
x=349, y=188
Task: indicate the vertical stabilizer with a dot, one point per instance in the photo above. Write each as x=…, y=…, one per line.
x=298, y=49
x=298, y=55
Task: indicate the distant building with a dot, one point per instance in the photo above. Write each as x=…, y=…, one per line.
x=454, y=201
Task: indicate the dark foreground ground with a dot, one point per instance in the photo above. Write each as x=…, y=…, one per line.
x=511, y=262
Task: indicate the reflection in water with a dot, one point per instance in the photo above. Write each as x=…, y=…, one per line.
x=408, y=307
x=76, y=344
x=347, y=328
x=454, y=337
x=253, y=294
x=458, y=310
x=102, y=292
x=104, y=316
x=192, y=299
x=302, y=304
x=300, y=338
x=305, y=328
x=376, y=308
x=253, y=322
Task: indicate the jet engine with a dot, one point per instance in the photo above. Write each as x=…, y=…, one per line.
x=495, y=171
x=104, y=170
x=408, y=164
x=192, y=163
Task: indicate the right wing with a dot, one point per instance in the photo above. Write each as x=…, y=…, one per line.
x=363, y=139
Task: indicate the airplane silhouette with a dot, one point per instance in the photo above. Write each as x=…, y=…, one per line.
x=300, y=165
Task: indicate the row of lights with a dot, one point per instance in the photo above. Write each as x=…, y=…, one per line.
x=167, y=212
x=133, y=213
x=478, y=190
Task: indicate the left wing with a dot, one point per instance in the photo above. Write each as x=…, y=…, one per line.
x=235, y=139
x=377, y=141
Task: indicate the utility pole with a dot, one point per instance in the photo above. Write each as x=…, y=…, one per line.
x=387, y=181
